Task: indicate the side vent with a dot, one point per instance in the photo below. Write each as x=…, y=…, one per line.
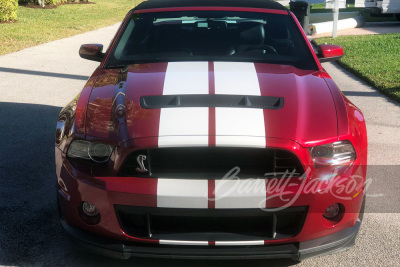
x=286, y=162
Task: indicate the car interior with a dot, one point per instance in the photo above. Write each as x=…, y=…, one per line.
x=219, y=38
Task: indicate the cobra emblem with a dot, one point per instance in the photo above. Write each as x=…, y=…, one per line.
x=140, y=160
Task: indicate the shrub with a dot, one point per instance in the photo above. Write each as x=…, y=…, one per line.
x=27, y=1
x=8, y=10
x=41, y=2
x=48, y=2
x=54, y=2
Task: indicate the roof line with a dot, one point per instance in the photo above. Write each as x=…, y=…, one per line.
x=263, y=4
x=211, y=8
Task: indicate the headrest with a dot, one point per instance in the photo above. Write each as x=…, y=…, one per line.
x=218, y=25
x=253, y=36
x=277, y=30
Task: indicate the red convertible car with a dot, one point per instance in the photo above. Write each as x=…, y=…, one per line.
x=211, y=130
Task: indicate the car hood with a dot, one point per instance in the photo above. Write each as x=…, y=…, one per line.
x=114, y=111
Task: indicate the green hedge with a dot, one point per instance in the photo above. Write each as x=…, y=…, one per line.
x=8, y=10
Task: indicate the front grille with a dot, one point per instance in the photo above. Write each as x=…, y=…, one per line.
x=210, y=224
x=212, y=163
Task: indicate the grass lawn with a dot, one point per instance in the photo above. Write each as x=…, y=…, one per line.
x=374, y=58
x=320, y=8
x=36, y=26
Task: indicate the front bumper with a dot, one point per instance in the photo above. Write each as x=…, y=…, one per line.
x=336, y=242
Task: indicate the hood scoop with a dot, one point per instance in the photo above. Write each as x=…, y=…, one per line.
x=227, y=101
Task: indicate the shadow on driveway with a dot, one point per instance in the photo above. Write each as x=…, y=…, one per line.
x=27, y=181
x=44, y=73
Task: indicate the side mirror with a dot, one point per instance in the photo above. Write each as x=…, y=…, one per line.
x=92, y=52
x=328, y=52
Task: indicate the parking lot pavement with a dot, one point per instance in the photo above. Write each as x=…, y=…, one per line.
x=36, y=82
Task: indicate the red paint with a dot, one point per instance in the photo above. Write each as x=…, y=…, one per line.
x=341, y=110
x=131, y=185
x=142, y=77
x=322, y=74
x=141, y=240
x=300, y=119
x=211, y=78
x=80, y=115
x=238, y=9
x=357, y=133
x=212, y=127
x=211, y=112
x=142, y=80
x=211, y=194
x=328, y=50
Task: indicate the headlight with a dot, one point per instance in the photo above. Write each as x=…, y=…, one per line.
x=97, y=152
x=338, y=153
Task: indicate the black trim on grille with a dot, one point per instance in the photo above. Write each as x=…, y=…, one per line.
x=229, y=101
x=213, y=163
x=210, y=224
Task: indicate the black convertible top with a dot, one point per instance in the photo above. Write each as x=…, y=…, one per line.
x=267, y=4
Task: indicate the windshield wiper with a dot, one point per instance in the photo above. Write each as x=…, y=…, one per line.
x=116, y=66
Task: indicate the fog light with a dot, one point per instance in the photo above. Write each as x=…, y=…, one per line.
x=89, y=209
x=89, y=213
x=332, y=211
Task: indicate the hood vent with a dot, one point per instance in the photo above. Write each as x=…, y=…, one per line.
x=226, y=101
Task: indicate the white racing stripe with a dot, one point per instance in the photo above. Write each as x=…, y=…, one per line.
x=240, y=194
x=182, y=193
x=178, y=125
x=238, y=126
x=186, y=78
x=240, y=243
x=236, y=78
x=183, y=127
x=241, y=141
x=217, y=243
x=185, y=243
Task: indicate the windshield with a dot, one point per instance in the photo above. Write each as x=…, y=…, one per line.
x=211, y=36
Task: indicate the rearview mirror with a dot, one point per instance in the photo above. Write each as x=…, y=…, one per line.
x=328, y=52
x=92, y=52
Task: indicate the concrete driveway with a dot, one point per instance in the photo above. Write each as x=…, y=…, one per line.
x=36, y=82
x=286, y=2
x=369, y=28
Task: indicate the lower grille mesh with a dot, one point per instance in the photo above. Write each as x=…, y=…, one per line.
x=210, y=224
